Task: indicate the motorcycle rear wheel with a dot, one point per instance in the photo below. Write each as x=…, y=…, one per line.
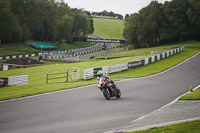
x=118, y=92
x=106, y=93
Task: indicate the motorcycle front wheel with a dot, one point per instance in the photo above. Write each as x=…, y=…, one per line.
x=106, y=93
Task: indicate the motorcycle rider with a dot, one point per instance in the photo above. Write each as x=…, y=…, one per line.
x=101, y=75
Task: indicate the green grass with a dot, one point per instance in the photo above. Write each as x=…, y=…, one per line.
x=37, y=78
x=187, y=127
x=16, y=49
x=37, y=75
x=23, y=48
x=138, y=52
x=109, y=28
x=192, y=95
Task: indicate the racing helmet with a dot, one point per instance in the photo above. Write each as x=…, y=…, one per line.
x=99, y=73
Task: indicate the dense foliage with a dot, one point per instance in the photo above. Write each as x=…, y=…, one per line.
x=42, y=20
x=174, y=21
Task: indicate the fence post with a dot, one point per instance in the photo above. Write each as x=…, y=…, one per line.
x=47, y=79
x=67, y=77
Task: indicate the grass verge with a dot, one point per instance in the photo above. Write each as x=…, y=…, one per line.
x=192, y=95
x=187, y=127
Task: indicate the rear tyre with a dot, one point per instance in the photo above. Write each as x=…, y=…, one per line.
x=106, y=93
x=118, y=92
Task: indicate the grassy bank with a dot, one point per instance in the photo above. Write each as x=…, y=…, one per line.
x=37, y=75
x=187, y=127
x=23, y=48
x=109, y=28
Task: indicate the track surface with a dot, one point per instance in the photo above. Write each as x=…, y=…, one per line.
x=84, y=110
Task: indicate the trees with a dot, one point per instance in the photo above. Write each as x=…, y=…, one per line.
x=64, y=28
x=42, y=20
x=130, y=30
x=107, y=14
x=174, y=21
x=175, y=25
x=143, y=29
x=10, y=29
x=194, y=18
x=82, y=26
x=150, y=20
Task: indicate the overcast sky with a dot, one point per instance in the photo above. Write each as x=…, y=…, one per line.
x=122, y=7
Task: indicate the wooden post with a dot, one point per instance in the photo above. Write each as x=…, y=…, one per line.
x=47, y=79
x=67, y=77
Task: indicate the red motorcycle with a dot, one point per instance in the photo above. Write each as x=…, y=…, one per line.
x=108, y=89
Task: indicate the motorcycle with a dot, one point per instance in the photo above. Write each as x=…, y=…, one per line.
x=108, y=88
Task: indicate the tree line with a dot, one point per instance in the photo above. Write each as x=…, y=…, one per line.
x=107, y=14
x=174, y=21
x=42, y=20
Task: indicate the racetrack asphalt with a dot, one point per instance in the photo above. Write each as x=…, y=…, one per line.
x=84, y=109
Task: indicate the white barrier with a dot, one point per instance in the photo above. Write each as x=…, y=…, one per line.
x=163, y=55
x=106, y=69
x=153, y=59
x=118, y=67
x=146, y=61
x=175, y=51
x=158, y=56
x=18, y=80
x=167, y=53
x=88, y=73
x=172, y=52
x=178, y=50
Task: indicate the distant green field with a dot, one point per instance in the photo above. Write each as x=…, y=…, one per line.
x=109, y=28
